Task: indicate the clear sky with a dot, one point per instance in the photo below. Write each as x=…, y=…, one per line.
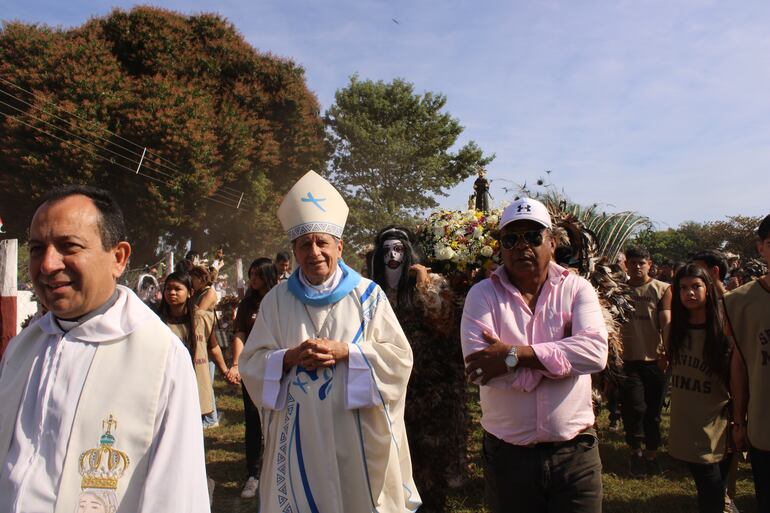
x=656, y=106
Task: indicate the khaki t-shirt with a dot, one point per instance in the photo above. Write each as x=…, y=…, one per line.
x=204, y=323
x=699, y=399
x=748, y=309
x=641, y=335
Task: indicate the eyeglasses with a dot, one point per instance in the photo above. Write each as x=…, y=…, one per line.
x=534, y=238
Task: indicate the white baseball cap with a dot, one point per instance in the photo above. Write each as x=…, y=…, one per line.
x=526, y=209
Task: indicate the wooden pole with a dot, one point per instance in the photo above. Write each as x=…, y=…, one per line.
x=8, y=291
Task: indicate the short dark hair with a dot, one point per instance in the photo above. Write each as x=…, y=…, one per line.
x=265, y=269
x=282, y=256
x=112, y=226
x=637, y=252
x=201, y=273
x=712, y=259
x=763, y=231
x=184, y=266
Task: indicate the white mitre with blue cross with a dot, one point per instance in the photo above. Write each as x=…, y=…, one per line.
x=313, y=205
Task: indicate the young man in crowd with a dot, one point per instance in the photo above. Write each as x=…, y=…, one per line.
x=748, y=313
x=283, y=265
x=713, y=262
x=644, y=386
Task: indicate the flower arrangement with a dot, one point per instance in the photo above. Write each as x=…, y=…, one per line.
x=460, y=240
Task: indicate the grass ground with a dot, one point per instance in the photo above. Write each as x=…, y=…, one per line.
x=671, y=492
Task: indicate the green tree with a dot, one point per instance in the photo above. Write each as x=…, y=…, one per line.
x=670, y=244
x=217, y=117
x=390, y=153
x=735, y=234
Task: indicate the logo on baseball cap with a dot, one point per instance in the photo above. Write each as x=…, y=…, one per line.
x=526, y=209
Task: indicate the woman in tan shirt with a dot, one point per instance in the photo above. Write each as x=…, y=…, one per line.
x=195, y=328
x=699, y=358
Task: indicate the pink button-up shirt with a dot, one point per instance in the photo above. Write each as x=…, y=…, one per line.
x=567, y=333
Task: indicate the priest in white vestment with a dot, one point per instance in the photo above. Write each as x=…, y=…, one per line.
x=328, y=365
x=98, y=399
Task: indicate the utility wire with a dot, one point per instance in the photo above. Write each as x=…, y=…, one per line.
x=170, y=165
x=112, y=161
x=134, y=156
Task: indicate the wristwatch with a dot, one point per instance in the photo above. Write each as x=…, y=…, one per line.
x=512, y=359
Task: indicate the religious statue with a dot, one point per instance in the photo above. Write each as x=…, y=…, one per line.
x=481, y=191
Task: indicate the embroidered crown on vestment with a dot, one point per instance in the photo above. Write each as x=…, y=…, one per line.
x=103, y=466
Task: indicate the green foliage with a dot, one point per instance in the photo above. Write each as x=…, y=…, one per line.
x=735, y=234
x=612, y=229
x=390, y=153
x=217, y=117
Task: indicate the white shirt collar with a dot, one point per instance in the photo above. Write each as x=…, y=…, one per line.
x=327, y=286
x=127, y=314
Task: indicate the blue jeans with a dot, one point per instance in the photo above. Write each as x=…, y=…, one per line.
x=711, y=483
x=212, y=418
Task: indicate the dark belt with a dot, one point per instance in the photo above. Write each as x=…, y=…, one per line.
x=588, y=433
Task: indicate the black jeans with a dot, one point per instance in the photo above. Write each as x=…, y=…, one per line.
x=642, y=390
x=711, y=483
x=554, y=477
x=253, y=435
x=760, y=467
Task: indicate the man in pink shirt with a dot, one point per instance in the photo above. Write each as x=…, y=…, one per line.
x=532, y=334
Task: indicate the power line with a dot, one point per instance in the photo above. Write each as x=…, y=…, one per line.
x=111, y=161
x=235, y=197
x=24, y=113
x=170, y=165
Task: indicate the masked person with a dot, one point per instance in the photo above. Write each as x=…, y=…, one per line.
x=99, y=369
x=425, y=308
x=328, y=364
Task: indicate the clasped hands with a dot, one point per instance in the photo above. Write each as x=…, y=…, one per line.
x=315, y=353
x=490, y=361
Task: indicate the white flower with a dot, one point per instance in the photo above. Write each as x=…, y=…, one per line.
x=444, y=252
x=478, y=232
x=486, y=251
x=493, y=220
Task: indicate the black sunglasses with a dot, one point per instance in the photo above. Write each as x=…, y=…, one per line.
x=534, y=238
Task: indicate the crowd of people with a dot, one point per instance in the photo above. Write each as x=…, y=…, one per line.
x=354, y=384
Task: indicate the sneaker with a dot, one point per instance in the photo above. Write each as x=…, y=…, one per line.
x=208, y=424
x=250, y=488
x=730, y=506
x=456, y=481
x=636, y=465
x=614, y=426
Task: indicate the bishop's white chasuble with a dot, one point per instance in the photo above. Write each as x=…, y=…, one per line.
x=334, y=438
